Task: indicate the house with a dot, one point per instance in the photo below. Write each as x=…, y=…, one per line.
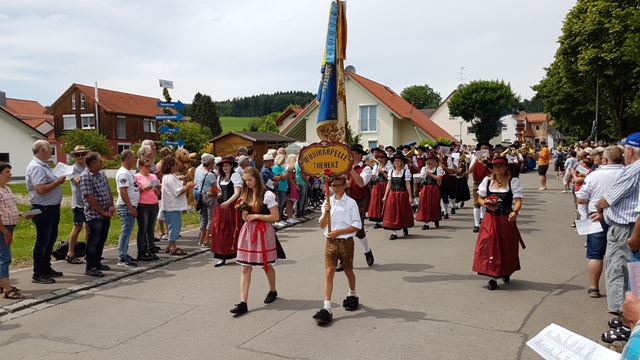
x=537, y=128
x=377, y=112
x=556, y=138
x=228, y=143
x=287, y=117
x=124, y=119
x=17, y=139
x=33, y=114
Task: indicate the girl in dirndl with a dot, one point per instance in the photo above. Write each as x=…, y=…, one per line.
x=225, y=221
x=496, y=253
x=429, y=204
x=378, y=189
x=397, y=198
x=257, y=244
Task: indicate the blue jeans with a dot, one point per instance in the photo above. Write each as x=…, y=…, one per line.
x=174, y=223
x=46, y=236
x=127, y=220
x=147, y=214
x=281, y=202
x=98, y=232
x=5, y=254
x=302, y=200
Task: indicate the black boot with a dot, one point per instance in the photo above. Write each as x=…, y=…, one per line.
x=240, y=308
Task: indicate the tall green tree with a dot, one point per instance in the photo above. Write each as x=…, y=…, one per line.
x=481, y=103
x=203, y=111
x=422, y=96
x=353, y=138
x=598, y=50
x=268, y=125
x=91, y=139
x=194, y=135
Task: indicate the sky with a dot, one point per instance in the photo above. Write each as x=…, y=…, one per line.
x=239, y=48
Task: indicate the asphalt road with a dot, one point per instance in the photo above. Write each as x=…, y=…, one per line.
x=419, y=300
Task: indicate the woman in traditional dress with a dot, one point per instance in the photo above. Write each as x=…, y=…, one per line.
x=462, y=183
x=397, y=198
x=225, y=221
x=379, y=180
x=429, y=204
x=257, y=241
x=496, y=253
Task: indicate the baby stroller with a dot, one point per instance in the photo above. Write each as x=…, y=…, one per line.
x=317, y=194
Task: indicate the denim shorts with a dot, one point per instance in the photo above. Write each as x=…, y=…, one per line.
x=78, y=216
x=597, y=243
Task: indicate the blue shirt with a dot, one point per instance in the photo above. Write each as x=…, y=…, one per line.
x=266, y=175
x=283, y=184
x=39, y=173
x=208, y=181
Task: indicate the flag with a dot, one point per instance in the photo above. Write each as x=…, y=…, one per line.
x=331, y=123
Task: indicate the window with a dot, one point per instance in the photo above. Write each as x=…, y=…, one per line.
x=469, y=130
x=505, y=127
x=53, y=149
x=149, y=125
x=537, y=127
x=122, y=128
x=123, y=147
x=82, y=102
x=4, y=157
x=373, y=144
x=88, y=121
x=369, y=118
x=69, y=122
x=73, y=101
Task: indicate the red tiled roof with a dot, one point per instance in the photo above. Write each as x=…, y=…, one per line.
x=27, y=110
x=528, y=131
x=401, y=107
x=286, y=114
x=537, y=118
x=307, y=109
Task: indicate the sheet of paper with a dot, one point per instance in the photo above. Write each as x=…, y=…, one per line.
x=445, y=150
x=154, y=183
x=482, y=154
x=455, y=156
x=634, y=277
x=62, y=169
x=582, y=170
x=32, y=212
x=556, y=342
x=270, y=184
x=586, y=227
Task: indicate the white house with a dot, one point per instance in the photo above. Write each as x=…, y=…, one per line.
x=17, y=139
x=378, y=113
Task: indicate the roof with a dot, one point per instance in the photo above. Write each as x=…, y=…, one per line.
x=428, y=112
x=401, y=107
x=257, y=136
x=304, y=111
x=286, y=113
x=555, y=133
x=26, y=110
x=22, y=123
x=537, y=118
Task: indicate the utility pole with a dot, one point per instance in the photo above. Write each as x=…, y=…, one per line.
x=460, y=73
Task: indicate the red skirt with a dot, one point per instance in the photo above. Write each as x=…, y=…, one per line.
x=429, y=205
x=397, y=211
x=225, y=228
x=257, y=244
x=496, y=251
x=375, y=203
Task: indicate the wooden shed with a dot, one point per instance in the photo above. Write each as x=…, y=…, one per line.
x=229, y=143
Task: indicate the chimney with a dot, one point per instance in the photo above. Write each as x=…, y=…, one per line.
x=3, y=98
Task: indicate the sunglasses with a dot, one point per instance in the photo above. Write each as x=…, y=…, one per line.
x=337, y=185
x=81, y=154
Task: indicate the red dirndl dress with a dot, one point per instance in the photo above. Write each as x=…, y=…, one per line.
x=375, y=204
x=429, y=204
x=225, y=227
x=397, y=210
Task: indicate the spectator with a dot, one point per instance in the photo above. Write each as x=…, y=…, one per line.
x=205, y=179
x=152, y=156
x=302, y=181
x=292, y=194
x=146, y=153
x=596, y=156
x=174, y=202
x=269, y=180
x=280, y=171
x=148, y=208
x=45, y=194
x=558, y=162
x=282, y=151
x=77, y=203
x=165, y=153
x=251, y=152
x=126, y=206
x=243, y=162
x=569, y=164
x=543, y=164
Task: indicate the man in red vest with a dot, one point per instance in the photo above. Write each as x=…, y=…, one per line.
x=479, y=171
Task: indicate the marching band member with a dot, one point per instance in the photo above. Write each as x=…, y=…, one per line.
x=398, y=198
x=390, y=151
x=479, y=171
x=419, y=162
x=462, y=181
x=447, y=182
x=429, y=204
x=379, y=180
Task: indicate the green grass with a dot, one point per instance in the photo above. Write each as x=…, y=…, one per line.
x=66, y=188
x=234, y=123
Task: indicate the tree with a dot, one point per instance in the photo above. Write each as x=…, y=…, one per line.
x=351, y=138
x=531, y=106
x=203, y=111
x=91, y=139
x=422, y=96
x=482, y=102
x=268, y=125
x=194, y=135
x=598, y=50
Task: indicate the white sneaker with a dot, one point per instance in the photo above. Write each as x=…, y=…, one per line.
x=279, y=224
x=292, y=221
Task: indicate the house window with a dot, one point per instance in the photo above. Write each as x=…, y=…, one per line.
x=505, y=127
x=68, y=122
x=149, y=125
x=82, y=102
x=469, y=130
x=369, y=118
x=88, y=121
x=122, y=128
x=73, y=101
x=4, y=157
x=537, y=127
x=373, y=144
x=123, y=147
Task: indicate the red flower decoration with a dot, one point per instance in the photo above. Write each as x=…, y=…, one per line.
x=212, y=192
x=492, y=200
x=327, y=172
x=241, y=205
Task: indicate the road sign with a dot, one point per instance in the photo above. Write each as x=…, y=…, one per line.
x=178, y=142
x=163, y=130
x=174, y=104
x=166, y=84
x=177, y=117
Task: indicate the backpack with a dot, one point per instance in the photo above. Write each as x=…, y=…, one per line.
x=60, y=253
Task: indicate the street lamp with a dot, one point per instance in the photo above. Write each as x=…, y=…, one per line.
x=461, y=122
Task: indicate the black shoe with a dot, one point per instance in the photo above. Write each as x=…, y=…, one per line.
x=369, y=256
x=437, y=223
x=480, y=221
x=393, y=237
x=446, y=216
x=377, y=226
x=240, y=308
x=94, y=272
x=405, y=232
x=618, y=334
x=52, y=273
x=506, y=279
x=492, y=285
x=220, y=263
x=155, y=257
x=339, y=267
x=442, y=213
x=145, y=257
x=461, y=205
x=323, y=316
x=350, y=303
x=131, y=259
x=476, y=229
x=103, y=267
x=414, y=208
x=453, y=211
x=271, y=297
x=425, y=227
x=41, y=279
x=615, y=323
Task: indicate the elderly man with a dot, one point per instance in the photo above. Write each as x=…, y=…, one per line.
x=619, y=208
x=127, y=204
x=79, y=153
x=594, y=187
x=45, y=194
x=152, y=146
x=243, y=162
x=266, y=173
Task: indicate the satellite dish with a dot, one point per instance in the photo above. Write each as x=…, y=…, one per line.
x=350, y=69
x=460, y=86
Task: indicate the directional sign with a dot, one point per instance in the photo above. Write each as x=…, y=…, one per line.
x=169, y=117
x=178, y=142
x=174, y=104
x=166, y=84
x=163, y=130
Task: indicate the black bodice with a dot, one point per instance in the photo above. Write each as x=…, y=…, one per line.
x=227, y=191
x=398, y=183
x=505, y=207
x=428, y=180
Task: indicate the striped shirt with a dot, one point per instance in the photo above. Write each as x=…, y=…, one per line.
x=9, y=213
x=622, y=197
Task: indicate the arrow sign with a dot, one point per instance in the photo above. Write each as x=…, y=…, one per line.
x=174, y=104
x=163, y=130
x=169, y=117
x=178, y=142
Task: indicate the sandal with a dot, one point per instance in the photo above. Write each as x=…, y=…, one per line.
x=177, y=251
x=619, y=334
x=73, y=260
x=594, y=293
x=13, y=294
x=615, y=323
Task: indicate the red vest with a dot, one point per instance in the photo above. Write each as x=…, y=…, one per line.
x=421, y=162
x=356, y=192
x=480, y=171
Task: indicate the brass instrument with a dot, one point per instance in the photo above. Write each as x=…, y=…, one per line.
x=413, y=152
x=371, y=161
x=506, y=152
x=463, y=157
x=526, y=148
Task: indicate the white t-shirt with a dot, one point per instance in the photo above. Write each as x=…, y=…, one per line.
x=597, y=183
x=516, y=188
x=425, y=169
x=124, y=178
x=171, y=198
x=344, y=213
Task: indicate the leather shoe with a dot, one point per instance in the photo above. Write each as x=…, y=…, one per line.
x=240, y=308
x=393, y=237
x=40, y=279
x=52, y=273
x=425, y=227
x=377, y=226
x=339, y=267
x=453, y=211
x=369, y=256
x=446, y=216
x=476, y=229
x=405, y=231
x=220, y=263
x=437, y=223
x=271, y=297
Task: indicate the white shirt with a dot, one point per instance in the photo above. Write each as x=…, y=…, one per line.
x=366, y=173
x=438, y=170
x=407, y=174
x=597, y=183
x=171, y=198
x=124, y=178
x=236, y=179
x=344, y=213
x=270, y=199
x=516, y=188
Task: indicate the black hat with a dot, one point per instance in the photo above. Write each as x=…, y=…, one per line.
x=377, y=149
x=390, y=148
x=484, y=143
x=440, y=144
x=423, y=148
x=229, y=159
x=406, y=147
x=399, y=155
x=358, y=148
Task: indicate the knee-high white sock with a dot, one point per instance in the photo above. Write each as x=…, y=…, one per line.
x=452, y=203
x=327, y=305
x=442, y=207
x=365, y=244
x=476, y=217
x=483, y=210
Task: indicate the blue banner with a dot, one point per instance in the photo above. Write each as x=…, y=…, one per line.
x=332, y=31
x=327, y=96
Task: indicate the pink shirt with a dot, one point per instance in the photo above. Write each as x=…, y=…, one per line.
x=148, y=197
x=8, y=208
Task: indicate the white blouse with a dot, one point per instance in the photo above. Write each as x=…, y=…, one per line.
x=407, y=174
x=236, y=179
x=425, y=169
x=270, y=199
x=516, y=188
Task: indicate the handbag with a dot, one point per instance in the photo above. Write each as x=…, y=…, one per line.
x=199, y=199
